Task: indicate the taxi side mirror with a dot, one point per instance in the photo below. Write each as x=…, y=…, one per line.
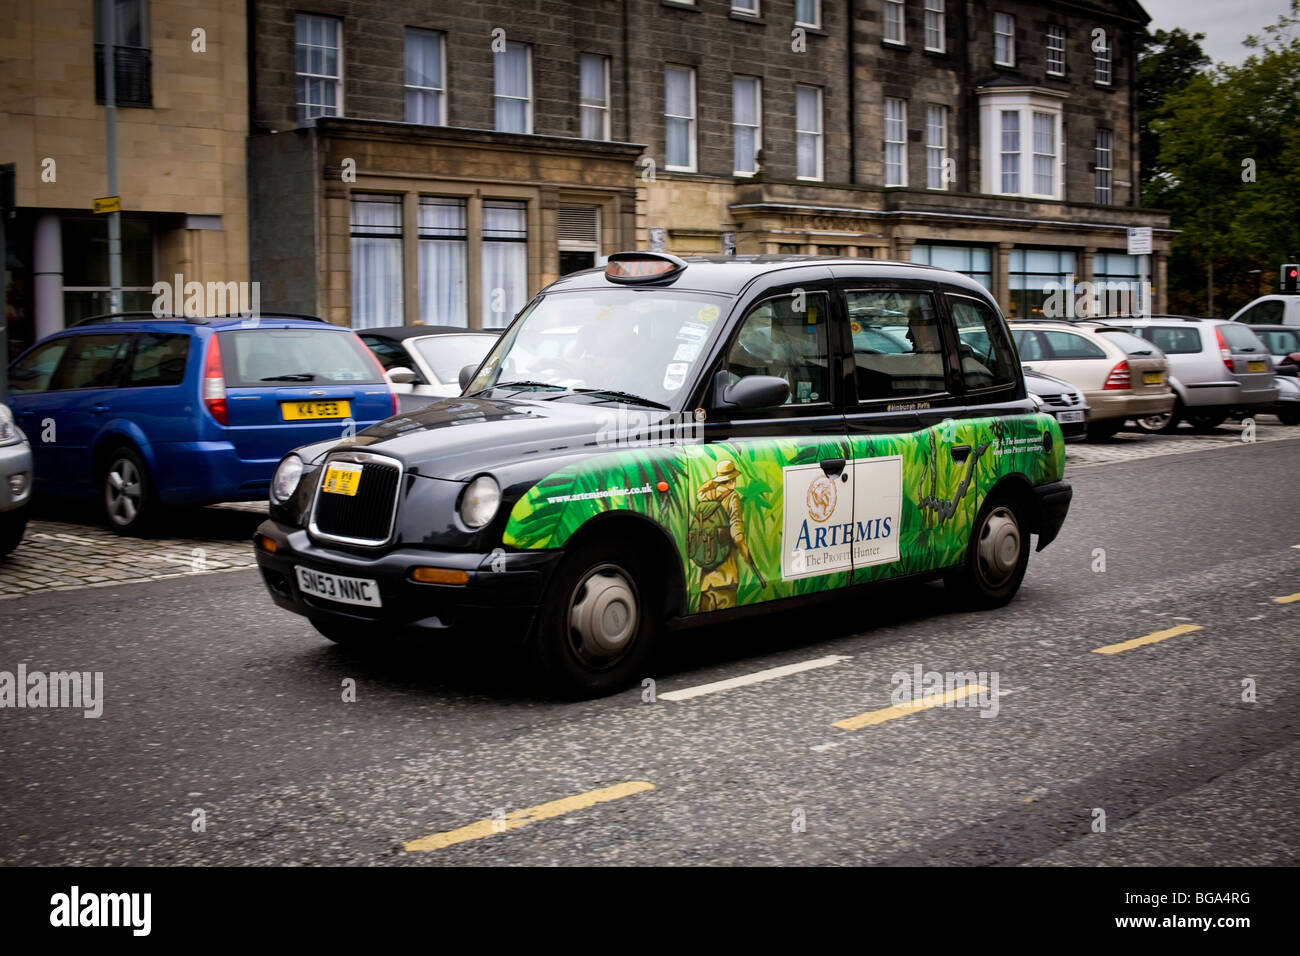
x=467, y=376
x=752, y=391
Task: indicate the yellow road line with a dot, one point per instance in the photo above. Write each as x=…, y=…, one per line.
x=1288, y=599
x=1152, y=638
x=873, y=717
x=521, y=818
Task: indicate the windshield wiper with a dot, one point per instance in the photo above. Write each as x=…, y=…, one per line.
x=295, y=377
x=628, y=396
x=521, y=385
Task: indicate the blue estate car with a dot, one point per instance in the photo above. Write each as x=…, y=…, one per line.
x=145, y=411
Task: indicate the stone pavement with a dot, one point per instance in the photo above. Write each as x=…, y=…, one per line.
x=1131, y=444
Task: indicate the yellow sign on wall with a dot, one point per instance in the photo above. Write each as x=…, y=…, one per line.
x=108, y=204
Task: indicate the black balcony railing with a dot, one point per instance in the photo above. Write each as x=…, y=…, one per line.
x=132, y=76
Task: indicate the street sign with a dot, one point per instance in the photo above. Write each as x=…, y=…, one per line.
x=107, y=204
x=1139, y=240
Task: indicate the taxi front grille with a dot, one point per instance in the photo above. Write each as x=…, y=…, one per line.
x=363, y=518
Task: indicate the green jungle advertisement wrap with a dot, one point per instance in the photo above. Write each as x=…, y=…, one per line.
x=755, y=520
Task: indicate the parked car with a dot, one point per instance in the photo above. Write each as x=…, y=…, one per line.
x=1117, y=384
x=433, y=355
x=15, y=481
x=145, y=412
x=1216, y=369
x=713, y=443
x=1283, y=345
x=1278, y=309
x=1058, y=397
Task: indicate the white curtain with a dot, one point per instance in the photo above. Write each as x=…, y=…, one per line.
x=593, y=97
x=679, y=112
x=376, y=261
x=511, y=70
x=443, y=262
x=1044, y=154
x=424, y=77
x=808, y=121
x=505, y=263
x=744, y=119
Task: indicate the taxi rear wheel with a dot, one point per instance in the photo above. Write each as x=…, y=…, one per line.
x=996, y=558
x=597, y=623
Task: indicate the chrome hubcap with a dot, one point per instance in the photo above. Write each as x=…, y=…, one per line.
x=1156, y=421
x=122, y=491
x=603, y=614
x=999, y=546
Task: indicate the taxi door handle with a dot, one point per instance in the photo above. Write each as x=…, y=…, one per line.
x=960, y=452
x=832, y=466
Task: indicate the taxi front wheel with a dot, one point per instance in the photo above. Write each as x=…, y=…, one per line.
x=597, y=623
x=996, y=558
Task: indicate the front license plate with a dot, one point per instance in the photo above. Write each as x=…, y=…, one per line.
x=297, y=411
x=1066, y=417
x=341, y=479
x=1257, y=366
x=1152, y=378
x=335, y=587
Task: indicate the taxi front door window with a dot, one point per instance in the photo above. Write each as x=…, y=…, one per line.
x=785, y=337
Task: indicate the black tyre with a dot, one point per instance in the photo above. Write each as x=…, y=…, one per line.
x=1205, y=422
x=1289, y=416
x=12, y=525
x=996, y=558
x=1106, y=428
x=598, y=622
x=1161, y=424
x=128, y=494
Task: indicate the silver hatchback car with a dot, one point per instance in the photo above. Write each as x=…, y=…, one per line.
x=1216, y=368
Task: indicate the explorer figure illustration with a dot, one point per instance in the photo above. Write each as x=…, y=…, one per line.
x=716, y=533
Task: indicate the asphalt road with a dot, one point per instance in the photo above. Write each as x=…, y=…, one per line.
x=217, y=701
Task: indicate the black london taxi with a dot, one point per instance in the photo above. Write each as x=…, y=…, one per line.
x=670, y=441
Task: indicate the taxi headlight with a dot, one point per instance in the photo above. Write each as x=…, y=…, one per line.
x=286, y=478
x=479, y=502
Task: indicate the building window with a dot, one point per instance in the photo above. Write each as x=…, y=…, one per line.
x=1004, y=39
x=808, y=13
x=1103, y=164
x=1056, y=50
x=808, y=131
x=1101, y=62
x=425, y=78
x=505, y=261
x=1010, y=152
x=513, y=67
x=936, y=146
x=748, y=8
x=894, y=21
x=133, y=71
x=746, y=123
x=593, y=95
x=934, y=26
x=679, y=118
x=1044, y=154
x=1021, y=133
x=577, y=229
x=376, y=260
x=895, y=142
x=1030, y=272
x=320, y=67
x=973, y=261
x=1118, y=278
x=442, y=257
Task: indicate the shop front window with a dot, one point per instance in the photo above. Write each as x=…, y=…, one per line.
x=1031, y=272
x=505, y=261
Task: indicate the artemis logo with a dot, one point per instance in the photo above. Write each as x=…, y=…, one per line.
x=103, y=909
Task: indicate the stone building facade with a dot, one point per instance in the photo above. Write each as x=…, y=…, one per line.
x=398, y=150
x=182, y=126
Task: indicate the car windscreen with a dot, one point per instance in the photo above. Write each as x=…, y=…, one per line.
x=645, y=342
x=1240, y=338
x=262, y=357
x=446, y=355
x=1131, y=344
x=1279, y=341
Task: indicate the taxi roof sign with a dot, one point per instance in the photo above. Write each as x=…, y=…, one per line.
x=629, y=267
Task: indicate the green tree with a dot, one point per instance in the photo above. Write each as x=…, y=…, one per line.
x=1167, y=61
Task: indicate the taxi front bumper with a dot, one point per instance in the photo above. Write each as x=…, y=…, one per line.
x=498, y=601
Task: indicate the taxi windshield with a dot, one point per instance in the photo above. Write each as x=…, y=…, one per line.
x=634, y=345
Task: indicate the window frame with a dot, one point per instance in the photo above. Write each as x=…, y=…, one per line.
x=441, y=90
x=898, y=8
x=816, y=23
x=942, y=149
x=739, y=9
x=1055, y=31
x=943, y=323
x=1100, y=57
x=902, y=163
x=528, y=98
x=991, y=390
x=606, y=124
x=819, y=133
x=692, y=120
x=304, y=120
x=994, y=105
x=1009, y=37
x=757, y=127
x=941, y=14
x=1099, y=190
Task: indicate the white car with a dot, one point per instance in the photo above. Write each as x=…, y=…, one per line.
x=423, y=362
x=15, y=481
x=1282, y=309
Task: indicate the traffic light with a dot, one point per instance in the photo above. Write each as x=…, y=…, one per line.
x=1291, y=277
